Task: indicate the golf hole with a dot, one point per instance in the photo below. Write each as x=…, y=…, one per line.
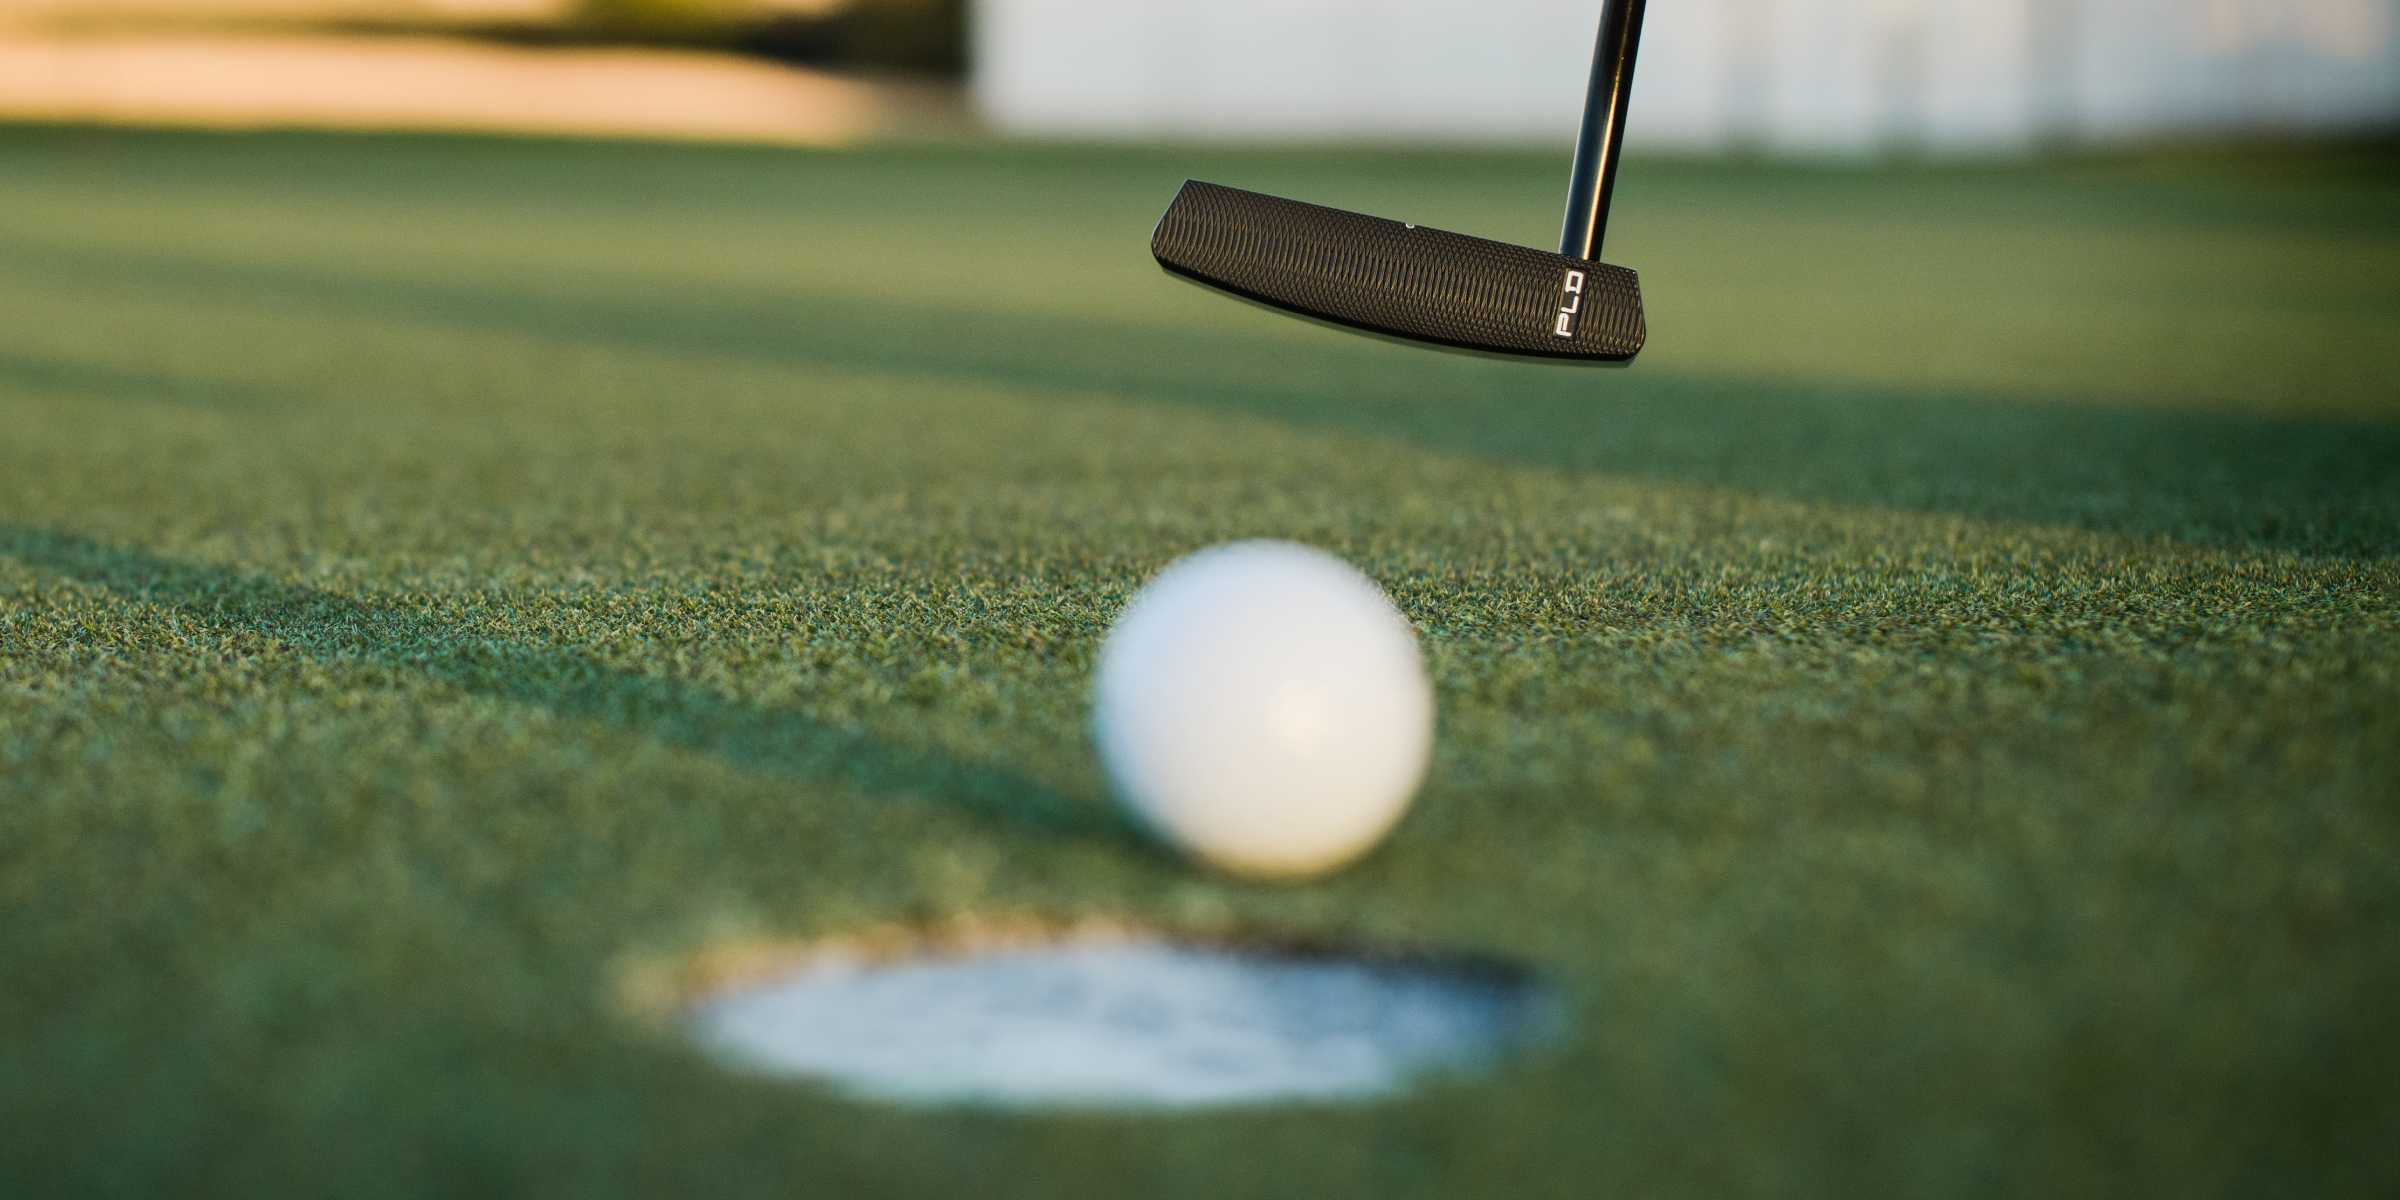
x=1121, y=1023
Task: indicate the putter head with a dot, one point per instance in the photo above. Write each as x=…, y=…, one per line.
x=1403, y=281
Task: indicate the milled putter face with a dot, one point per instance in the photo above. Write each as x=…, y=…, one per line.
x=1426, y=285
x=1403, y=281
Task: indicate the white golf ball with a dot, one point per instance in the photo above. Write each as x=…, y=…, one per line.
x=1262, y=707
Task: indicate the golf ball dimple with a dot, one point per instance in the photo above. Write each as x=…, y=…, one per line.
x=1263, y=708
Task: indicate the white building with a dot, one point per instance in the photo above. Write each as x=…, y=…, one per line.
x=1799, y=75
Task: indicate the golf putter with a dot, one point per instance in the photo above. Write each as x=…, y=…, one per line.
x=1424, y=285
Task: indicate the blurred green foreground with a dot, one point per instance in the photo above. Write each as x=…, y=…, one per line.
x=1936, y=717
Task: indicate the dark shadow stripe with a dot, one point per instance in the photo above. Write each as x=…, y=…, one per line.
x=334, y=629
x=92, y=381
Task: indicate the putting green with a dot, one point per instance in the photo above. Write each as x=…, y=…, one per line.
x=1935, y=719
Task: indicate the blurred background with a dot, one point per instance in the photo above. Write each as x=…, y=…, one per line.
x=1797, y=77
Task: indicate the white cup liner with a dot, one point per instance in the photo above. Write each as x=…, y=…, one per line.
x=1124, y=1025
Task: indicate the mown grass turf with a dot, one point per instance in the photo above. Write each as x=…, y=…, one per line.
x=1937, y=718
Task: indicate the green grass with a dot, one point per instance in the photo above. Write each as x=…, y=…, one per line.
x=1937, y=719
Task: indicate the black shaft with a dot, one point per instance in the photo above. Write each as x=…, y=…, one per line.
x=1595, y=180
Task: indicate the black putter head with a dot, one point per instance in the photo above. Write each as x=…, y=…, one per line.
x=1445, y=289
x=1404, y=281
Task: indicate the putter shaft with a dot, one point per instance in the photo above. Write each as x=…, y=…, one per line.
x=1594, y=182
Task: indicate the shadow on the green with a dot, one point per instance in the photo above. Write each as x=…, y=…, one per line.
x=44, y=375
x=2305, y=485
x=335, y=629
